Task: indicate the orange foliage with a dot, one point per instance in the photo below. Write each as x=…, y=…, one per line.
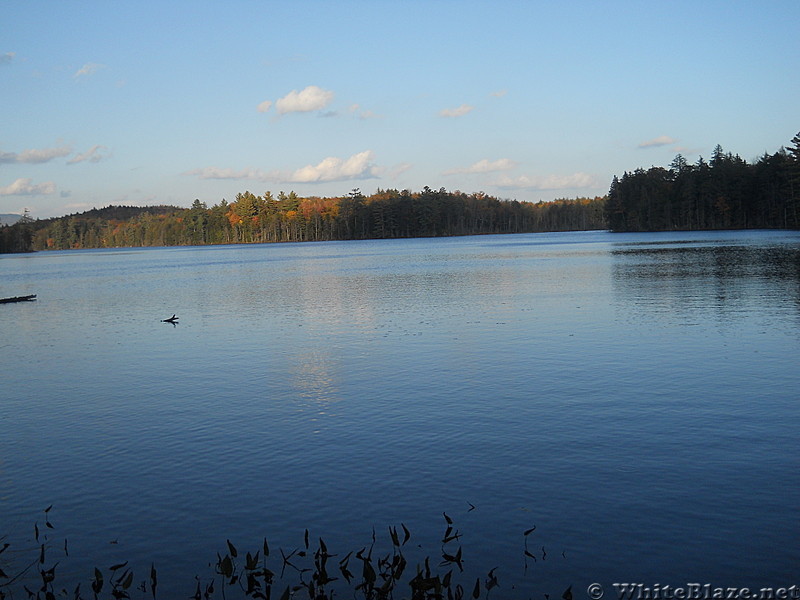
x=325, y=207
x=233, y=218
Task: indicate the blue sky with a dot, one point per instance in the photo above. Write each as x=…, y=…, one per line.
x=163, y=102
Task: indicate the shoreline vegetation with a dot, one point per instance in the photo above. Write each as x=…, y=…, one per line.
x=252, y=218
x=726, y=192
x=378, y=570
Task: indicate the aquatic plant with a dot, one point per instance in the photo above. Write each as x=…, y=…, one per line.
x=377, y=571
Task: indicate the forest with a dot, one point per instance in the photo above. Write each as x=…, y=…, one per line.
x=726, y=192
x=251, y=218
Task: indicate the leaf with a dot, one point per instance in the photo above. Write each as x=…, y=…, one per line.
x=36, y=531
x=368, y=573
x=153, y=579
x=567, y=595
x=49, y=575
x=447, y=577
x=117, y=567
x=226, y=566
x=476, y=592
x=529, y=531
x=406, y=533
x=232, y=549
x=448, y=519
x=306, y=539
x=3, y=574
x=97, y=584
x=393, y=534
x=285, y=594
x=266, y=547
x=491, y=580
x=47, y=510
x=128, y=581
x=3, y=549
x=252, y=562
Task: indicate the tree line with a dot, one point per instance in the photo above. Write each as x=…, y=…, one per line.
x=726, y=192
x=251, y=218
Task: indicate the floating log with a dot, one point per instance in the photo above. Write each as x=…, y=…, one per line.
x=18, y=299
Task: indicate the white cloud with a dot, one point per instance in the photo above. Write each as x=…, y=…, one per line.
x=264, y=106
x=662, y=140
x=94, y=154
x=456, y=112
x=5, y=59
x=358, y=166
x=26, y=187
x=310, y=99
x=499, y=93
x=34, y=156
x=549, y=182
x=484, y=166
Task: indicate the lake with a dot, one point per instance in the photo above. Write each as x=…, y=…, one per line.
x=636, y=397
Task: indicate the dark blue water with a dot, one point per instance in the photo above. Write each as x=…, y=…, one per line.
x=636, y=397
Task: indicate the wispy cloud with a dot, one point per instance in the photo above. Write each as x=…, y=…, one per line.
x=399, y=169
x=87, y=70
x=34, y=156
x=499, y=93
x=662, y=140
x=548, y=182
x=78, y=205
x=307, y=100
x=456, y=112
x=264, y=106
x=360, y=113
x=359, y=166
x=26, y=187
x=5, y=59
x=94, y=154
x=227, y=173
x=484, y=166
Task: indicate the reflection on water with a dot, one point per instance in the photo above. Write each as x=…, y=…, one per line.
x=722, y=280
x=632, y=395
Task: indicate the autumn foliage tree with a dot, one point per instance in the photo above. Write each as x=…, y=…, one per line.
x=252, y=218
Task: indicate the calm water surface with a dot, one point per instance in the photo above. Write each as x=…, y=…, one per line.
x=634, y=396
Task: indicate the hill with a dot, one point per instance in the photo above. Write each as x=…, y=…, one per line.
x=9, y=218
